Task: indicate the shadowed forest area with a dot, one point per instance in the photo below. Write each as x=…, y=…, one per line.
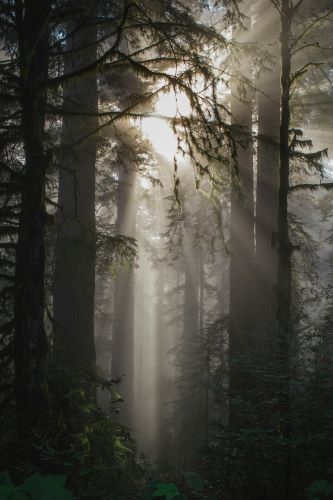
x=166, y=261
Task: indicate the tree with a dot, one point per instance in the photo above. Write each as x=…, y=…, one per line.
x=241, y=232
x=266, y=32
x=165, y=35
x=31, y=345
x=122, y=364
x=74, y=274
x=289, y=45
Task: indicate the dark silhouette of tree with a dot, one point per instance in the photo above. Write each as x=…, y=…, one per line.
x=75, y=252
x=31, y=345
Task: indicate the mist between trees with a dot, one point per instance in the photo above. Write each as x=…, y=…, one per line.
x=166, y=249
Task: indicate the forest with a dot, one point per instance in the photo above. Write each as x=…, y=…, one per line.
x=166, y=268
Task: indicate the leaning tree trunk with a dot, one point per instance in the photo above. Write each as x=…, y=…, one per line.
x=284, y=265
x=31, y=345
x=242, y=247
x=74, y=278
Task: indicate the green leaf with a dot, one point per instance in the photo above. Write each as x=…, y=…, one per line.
x=6, y=492
x=168, y=491
x=47, y=487
x=194, y=481
x=320, y=489
x=36, y=482
x=5, y=479
x=11, y=493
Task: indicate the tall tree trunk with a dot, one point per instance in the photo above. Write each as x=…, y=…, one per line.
x=160, y=367
x=191, y=293
x=201, y=291
x=284, y=266
x=242, y=246
x=31, y=344
x=268, y=30
x=122, y=364
x=208, y=347
x=190, y=394
x=74, y=279
x=267, y=33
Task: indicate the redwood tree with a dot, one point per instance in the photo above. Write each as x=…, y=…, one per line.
x=241, y=231
x=31, y=345
x=74, y=277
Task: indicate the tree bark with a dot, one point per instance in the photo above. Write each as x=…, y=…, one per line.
x=31, y=344
x=74, y=278
x=122, y=364
x=268, y=30
x=190, y=387
x=242, y=247
x=160, y=368
x=284, y=265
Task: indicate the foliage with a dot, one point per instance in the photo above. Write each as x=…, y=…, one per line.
x=169, y=491
x=320, y=489
x=35, y=487
x=254, y=459
x=96, y=453
x=164, y=491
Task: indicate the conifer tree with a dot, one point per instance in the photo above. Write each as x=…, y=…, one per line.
x=31, y=345
x=74, y=274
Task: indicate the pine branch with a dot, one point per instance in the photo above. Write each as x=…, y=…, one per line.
x=312, y=187
x=303, y=70
x=309, y=28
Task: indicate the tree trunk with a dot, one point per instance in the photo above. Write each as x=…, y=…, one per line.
x=284, y=266
x=122, y=364
x=268, y=30
x=31, y=345
x=242, y=248
x=190, y=386
x=160, y=368
x=267, y=33
x=74, y=279
x=191, y=293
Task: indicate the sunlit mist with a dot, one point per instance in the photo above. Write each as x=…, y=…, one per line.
x=158, y=128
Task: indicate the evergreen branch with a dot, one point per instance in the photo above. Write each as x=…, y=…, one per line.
x=305, y=46
x=303, y=70
x=90, y=68
x=297, y=6
x=311, y=187
x=309, y=28
x=7, y=277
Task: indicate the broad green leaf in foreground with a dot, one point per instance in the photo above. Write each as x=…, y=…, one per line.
x=47, y=487
x=167, y=491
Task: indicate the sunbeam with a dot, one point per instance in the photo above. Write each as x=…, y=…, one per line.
x=158, y=128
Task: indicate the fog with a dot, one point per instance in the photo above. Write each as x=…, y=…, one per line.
x=166, y=258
